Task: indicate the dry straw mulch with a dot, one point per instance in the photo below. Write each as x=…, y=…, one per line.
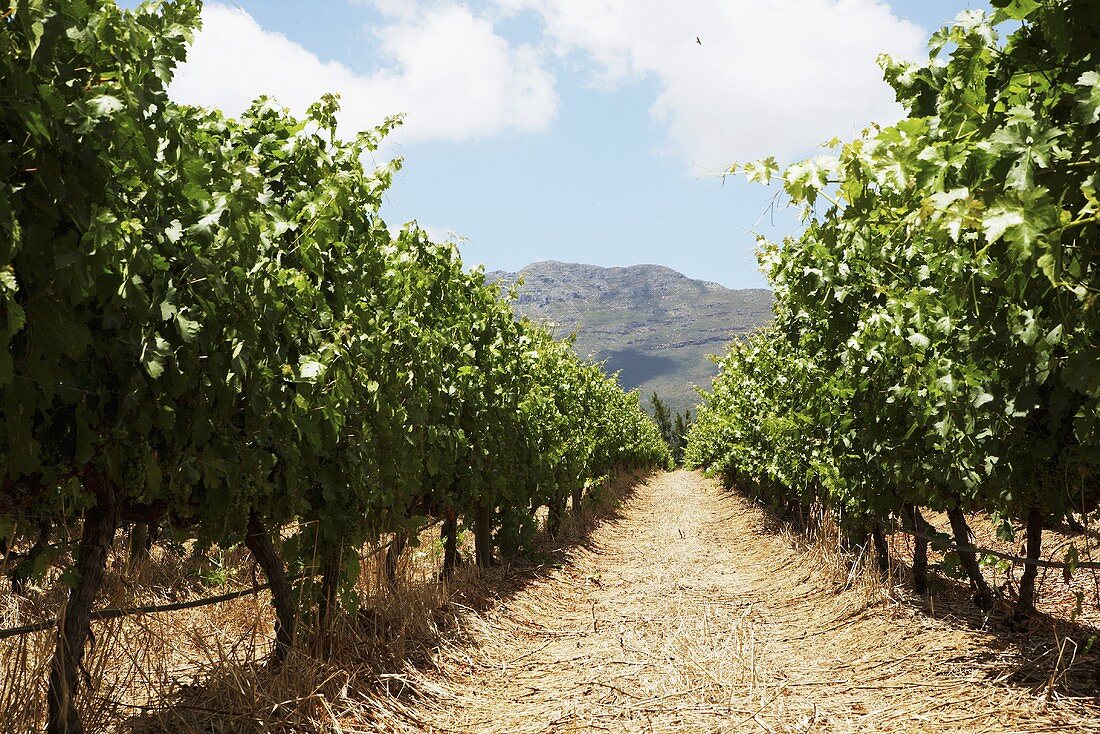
x=692, y=614
x=684, y=608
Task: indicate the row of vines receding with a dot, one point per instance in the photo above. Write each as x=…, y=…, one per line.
x=936, y=342
x=206, y=328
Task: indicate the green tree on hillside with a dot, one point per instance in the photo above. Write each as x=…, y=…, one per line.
x=673, y=426
x=662, y=416
x=680, y=427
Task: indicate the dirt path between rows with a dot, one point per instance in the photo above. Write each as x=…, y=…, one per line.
x=686, y=615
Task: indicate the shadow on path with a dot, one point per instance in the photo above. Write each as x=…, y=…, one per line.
x=393, y=633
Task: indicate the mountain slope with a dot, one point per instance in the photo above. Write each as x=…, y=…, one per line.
x=651, y=323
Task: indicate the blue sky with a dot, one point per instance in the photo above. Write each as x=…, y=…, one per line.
x=577, y=130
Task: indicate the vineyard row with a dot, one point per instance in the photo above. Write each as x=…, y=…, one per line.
x=936, y=342
x=207, y=329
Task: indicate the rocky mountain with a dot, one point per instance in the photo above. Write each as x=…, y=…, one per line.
x=653, y=325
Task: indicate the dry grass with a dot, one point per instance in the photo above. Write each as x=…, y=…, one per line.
x=691, y=613
x=1056, y=596
x=1051, y=653
x=203, y=670
x=675, y=607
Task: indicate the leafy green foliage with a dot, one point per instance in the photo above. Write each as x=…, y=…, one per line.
x=673, y=427
x=204, y=319
x=936, y=329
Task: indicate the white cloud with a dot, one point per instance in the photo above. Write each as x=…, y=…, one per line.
x=445, y=67
x=771, y=76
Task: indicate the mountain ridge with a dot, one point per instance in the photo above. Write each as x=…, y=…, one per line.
x=652, y=324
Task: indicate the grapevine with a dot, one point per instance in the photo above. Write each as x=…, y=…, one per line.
x=935, y=335
x=206, y=325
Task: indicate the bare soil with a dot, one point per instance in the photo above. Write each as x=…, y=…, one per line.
x=690, y=612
